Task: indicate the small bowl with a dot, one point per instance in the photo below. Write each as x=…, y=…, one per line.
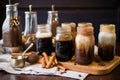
x=17, y=61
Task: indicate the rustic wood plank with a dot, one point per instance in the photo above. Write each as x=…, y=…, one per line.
x=94, y=68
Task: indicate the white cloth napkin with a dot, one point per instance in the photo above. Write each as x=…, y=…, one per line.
x=36, y=69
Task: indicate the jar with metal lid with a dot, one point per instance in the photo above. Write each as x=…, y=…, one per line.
x=84, y=42
x=11, y=29
x=64, y=44
x=107, y=42
x=44, y=39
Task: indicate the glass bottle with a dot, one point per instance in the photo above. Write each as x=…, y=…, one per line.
x=106, y=42
x=44, y=39
x=84, y=43
x=30, y=30
x=30, y=22
x=53, y=21
x=11, y=30
x=64, y=44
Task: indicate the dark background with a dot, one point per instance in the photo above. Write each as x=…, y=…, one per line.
x=94, y=11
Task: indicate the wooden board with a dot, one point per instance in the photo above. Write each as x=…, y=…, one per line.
x=94, y=67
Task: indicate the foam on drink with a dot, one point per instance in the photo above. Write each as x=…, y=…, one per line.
x=44, y=39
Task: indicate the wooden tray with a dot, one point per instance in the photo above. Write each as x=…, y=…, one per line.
x=94, y=67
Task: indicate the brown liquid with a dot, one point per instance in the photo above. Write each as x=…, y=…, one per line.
x=12, y=38
x=106, y=53
x=54, y=25
x=44, y=45
x=84, y=58
x=64, y=50
x=53, y=29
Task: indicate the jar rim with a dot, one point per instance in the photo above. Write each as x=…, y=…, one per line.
x=107, y=27
x=84, y=24
x=107, y=24
x=32, y=12
x=53, y=12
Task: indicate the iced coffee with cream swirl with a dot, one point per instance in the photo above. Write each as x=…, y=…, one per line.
x=84, y=43
x=106, y=42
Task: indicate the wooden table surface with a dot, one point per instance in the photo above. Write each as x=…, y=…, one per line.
x=114, y=75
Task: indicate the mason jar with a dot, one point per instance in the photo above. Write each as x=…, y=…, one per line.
x=84, y=42
x=64, y=44
x=72, y=25
x=106, y=41
x=44, y=39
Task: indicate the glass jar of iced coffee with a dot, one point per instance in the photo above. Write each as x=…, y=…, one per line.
x=84, y=43
x=106, y=42
x=72, y=25
x=64, y=44
x=44, y=39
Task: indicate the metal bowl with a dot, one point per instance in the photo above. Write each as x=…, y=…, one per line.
x=17, y=61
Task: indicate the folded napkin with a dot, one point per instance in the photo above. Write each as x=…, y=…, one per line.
x=37, y=69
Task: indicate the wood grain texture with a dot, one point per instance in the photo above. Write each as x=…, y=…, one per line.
x=93, y=68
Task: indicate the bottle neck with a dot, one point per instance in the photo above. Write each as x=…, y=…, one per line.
x=52, y=17
x=11, y=14
x=11, y=11
x=30, y=22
